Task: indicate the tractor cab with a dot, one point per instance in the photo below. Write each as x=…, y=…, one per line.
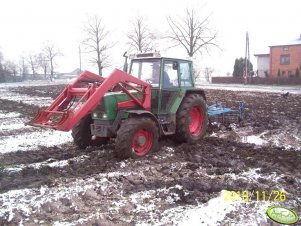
x=162, y=72
x=169, y=79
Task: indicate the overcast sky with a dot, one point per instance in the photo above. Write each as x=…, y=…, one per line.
x=26, y=25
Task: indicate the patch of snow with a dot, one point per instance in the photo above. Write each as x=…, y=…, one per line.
x=170, y=150
x=50, y=162
x=139, y=199
x=13, y=169
x=122, y=165
x=285, y=139
x=60, y=223
x=33, y=140
x=254, y=139
x=204, y=214
x=257, y=88
x=37, y=83
x=254, y=174
x=13, y=123
x=217, y=211
x=172, y=198
x=213, y=134
x=80, y=221
x=5, y=115
x=116, y=174
x=27, y=201
x=34, y=100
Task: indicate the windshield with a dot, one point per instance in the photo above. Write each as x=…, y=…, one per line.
x=148, y=71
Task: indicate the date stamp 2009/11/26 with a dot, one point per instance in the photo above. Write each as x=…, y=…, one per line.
x=248, y=196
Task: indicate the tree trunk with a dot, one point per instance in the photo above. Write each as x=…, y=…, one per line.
x=99, y=68
x=51, y=71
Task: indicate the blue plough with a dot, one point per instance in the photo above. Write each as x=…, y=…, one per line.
x=217, y=112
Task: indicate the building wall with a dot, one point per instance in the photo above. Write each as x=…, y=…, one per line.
x=263, y=65
x=286, y=68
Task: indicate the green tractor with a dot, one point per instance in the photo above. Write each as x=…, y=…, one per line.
x=156, y=98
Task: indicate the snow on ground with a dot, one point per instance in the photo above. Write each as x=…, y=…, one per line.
x=32, y=140
x=286, y=137
x=14, y=121
x=258, y=88
x=5, y=115
x=254, y=139
x=34, y=100
x=204, y=214
x=37, y=83
x=10, y=121
x=214, y=212
x=28, y=201
x=29, y=140
x=50, y=163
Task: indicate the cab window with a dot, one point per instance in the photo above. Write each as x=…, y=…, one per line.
x=170, y=75
x=148, y=71
x=185, y=74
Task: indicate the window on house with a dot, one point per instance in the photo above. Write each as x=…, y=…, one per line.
x=283, y=73
x=285, y=59
x=285, y=48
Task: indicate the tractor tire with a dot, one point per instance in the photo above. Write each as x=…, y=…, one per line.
x=81, y=134
x=192, y=119
x=136, y=137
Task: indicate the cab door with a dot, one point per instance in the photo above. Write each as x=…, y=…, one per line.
x=169, y=86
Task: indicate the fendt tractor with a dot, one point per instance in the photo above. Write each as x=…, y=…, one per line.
x=156, y=98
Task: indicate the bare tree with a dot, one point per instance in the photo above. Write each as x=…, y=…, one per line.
x=1, y=59
x=197, y=74
x=2, y=76
x=22, y=67
x=32, y=61
x=95, y=42
x=51, y=52
x=192, y=33
x=11, y=68
x=140, y=37
x=208, y=73
x=43, y=63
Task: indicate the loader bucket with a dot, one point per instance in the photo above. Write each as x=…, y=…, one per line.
x=84, y=94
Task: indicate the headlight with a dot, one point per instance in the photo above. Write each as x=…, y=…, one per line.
x=95, y=115
x=104, y=115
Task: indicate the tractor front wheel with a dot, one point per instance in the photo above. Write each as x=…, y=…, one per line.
x=192, y=119
x=136, y=137
x=82, y=136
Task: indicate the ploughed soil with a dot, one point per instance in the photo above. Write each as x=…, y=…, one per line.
x=127, y=192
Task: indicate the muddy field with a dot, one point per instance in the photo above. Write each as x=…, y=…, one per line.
x=46, y=180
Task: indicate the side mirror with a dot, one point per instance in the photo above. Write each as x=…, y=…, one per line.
x=175, y=65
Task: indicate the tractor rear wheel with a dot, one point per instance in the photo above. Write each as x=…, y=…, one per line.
x=192, y=119
x=136, y=137
x=82, y=136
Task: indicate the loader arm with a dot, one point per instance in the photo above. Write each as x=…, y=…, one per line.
x=84, y=94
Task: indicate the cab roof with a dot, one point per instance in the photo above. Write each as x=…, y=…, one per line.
x=153, y=56
x=159, y=58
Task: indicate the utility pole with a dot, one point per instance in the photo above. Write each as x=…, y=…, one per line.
x=247, y=60
x=80, y=59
